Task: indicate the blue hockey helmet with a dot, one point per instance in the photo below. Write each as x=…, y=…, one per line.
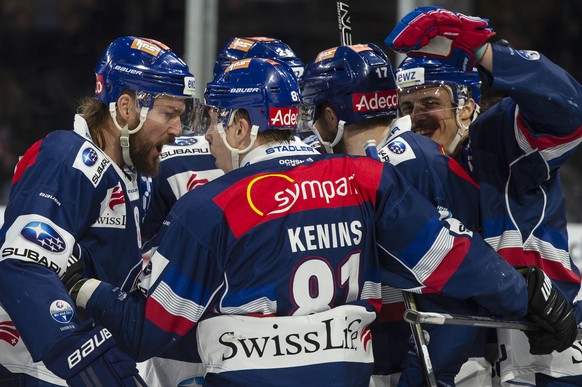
x=419, y=71
x=357, y=80
x=266, y=89
x=257, y=47
x=145, y=66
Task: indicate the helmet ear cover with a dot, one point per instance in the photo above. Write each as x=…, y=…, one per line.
x=357, y=81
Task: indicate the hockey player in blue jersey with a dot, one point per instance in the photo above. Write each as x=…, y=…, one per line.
x=277, y=263
x=187, y=164
x=513, y=151
x=350, y=97
x=76, y=195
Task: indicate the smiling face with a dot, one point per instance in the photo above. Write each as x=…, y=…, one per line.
x=432, y=112
x=162, y=126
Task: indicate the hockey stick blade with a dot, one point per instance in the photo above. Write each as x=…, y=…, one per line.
x=416, y=317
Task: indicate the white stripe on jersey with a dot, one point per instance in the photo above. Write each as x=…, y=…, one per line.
x=435, y=255
x=176, y=305
x=262, y=305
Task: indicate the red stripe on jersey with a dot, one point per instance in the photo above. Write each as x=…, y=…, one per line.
x=334, y=183
x=545, y=142
x=26, y=161
x=391, y=312
x=459, y=171
x=448, y=266
x=166, y=321
x=555, y=270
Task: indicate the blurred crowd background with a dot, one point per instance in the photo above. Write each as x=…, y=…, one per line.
x=49, y=48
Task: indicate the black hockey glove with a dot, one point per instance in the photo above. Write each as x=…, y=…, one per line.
x=75, y=268
x=548, y=308
x=88, y=357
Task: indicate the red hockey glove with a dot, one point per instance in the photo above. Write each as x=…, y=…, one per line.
x=436, y=32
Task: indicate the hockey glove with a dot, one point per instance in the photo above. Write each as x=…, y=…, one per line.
x=75, y=268
x=548, y=308
x=89, y=358
x=436, y=32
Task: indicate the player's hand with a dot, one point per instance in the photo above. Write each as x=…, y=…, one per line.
x=436, y=32
x=89, y=357
x=548, y=308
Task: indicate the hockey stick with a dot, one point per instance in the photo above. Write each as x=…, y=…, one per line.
x=344, y=23
x=415, y=317
x=419, y=340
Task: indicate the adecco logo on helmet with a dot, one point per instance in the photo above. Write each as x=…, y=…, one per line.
x=283, y=116
x=379, y=100
x=144, y=46
x=326, y=54
x=241, y=44
x=99, y=84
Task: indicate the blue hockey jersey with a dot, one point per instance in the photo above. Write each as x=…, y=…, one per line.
x=286, y=253
x=65, y=192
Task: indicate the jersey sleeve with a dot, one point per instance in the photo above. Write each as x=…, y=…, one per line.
x=423, y=253
x=49, y=207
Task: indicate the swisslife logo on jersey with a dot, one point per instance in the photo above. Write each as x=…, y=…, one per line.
x=260, y=198
x=113, y=209
x=376, y=101
x=8, y=333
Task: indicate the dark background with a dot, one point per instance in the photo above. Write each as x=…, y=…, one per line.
x=49, y=48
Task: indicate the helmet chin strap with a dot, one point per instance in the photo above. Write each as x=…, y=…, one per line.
x=328, y=146
x=234, y=152
x=125, y=131
x=462, y=129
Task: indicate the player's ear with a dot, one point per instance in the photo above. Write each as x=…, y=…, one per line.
x=468, y=109
x=242, y=131
x=124, y=105
x=330, y=116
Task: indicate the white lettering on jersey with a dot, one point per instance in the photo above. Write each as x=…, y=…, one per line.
x=325, y=236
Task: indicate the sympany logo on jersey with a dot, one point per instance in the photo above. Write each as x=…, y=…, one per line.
x=113, y=209
x=91, y=162
x=264, y=197
x=8, y=333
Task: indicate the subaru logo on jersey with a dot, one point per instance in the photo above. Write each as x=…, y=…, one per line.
x=61, y=311
x=8, y=333
x=185, y=141
x=280, y=117
x=43, y=235
x=89, y=157
x=376, y=101
x=397, y=147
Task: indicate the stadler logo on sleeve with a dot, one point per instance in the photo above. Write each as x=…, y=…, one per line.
x=43, y=235
x=183, y=141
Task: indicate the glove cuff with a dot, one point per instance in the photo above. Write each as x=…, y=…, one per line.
x=479, y=52
x=82, y=291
